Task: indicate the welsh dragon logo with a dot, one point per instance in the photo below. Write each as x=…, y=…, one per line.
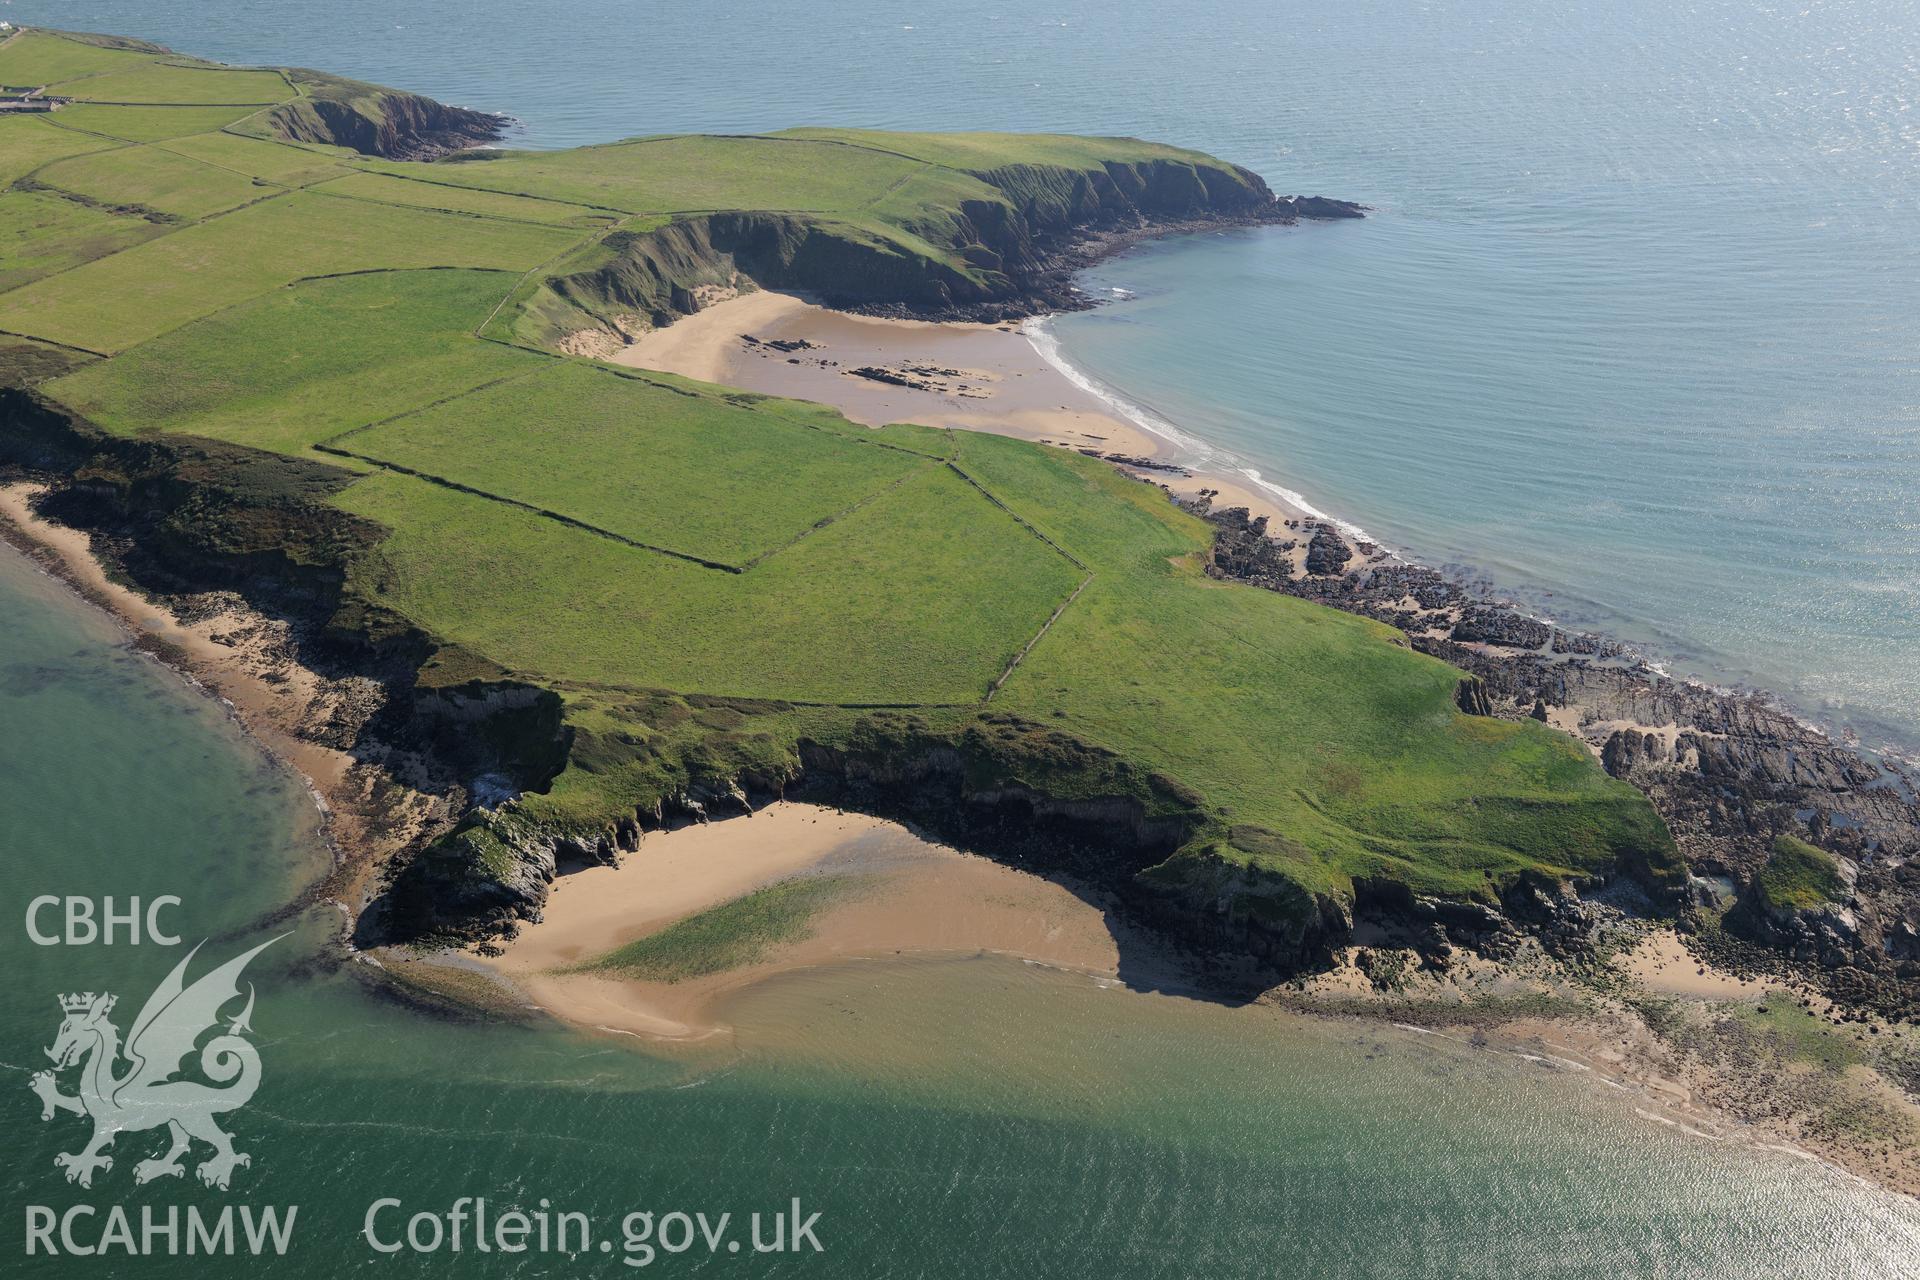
x=145, y=1095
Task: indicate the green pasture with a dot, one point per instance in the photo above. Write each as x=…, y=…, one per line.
x=153, y=178
x=114, y=303
x=306, y=362
x=921, y=596
x=42, y=232
x=28, y=142
x=656, y=463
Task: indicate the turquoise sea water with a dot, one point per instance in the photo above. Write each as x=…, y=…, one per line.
x=1633, y=332
x=946, y=1117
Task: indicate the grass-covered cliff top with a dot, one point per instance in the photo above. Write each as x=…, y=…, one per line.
x=710, y=579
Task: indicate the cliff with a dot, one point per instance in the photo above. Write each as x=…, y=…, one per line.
x=1008, y=253
x=375, y=121
x=1815, y=842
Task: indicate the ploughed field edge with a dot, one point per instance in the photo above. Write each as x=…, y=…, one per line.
x=1255, y=814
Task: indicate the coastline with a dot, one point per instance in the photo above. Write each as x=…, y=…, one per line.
x=1727, y=771
x=893, y=894
x=971, y=376
x=1532, y=1009
x=248, y=662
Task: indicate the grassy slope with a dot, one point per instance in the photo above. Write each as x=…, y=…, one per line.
x=114, y=303
x=28, y=142
x=650, y=461
x=986, y=152
x=306, y=362
x=1310, y=723
x=686, y=174
x=36, y=58
x=1317, y=746
x=154, y=178
x=921, y=596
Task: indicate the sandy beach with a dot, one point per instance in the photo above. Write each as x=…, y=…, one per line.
x=907, y=896
x=976, y=377
x=247, y=661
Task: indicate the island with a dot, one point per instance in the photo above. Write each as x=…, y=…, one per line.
x=318, y=357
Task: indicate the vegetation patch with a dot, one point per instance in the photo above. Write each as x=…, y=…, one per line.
x=1799, y=877
x=730, y=936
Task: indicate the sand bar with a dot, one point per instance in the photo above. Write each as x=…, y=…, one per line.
x=910, y=896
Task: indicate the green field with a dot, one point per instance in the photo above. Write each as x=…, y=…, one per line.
x=148, y=124
x=35, y=58
x=688, y=472
x=153, y=178
x=689, y=174
x=124, y=299
x=273, y=161
x=306, y=362
x=921, y=596
x=164, y=83
x=383, y=189
x=42, y=232
x=29, y=142
x=367, y=358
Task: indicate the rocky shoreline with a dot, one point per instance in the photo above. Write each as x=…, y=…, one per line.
x=1732, y=774
x=1047, y=285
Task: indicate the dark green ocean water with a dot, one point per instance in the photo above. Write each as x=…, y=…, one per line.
x=974, y=1117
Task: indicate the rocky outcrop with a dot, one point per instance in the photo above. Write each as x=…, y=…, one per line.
x=1327, y=551
x=1246, y=913
x=1728, y=772
x=377, y=121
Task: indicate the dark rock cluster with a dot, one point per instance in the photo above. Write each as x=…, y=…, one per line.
x=1728, y=771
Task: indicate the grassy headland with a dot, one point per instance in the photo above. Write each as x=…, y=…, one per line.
x=303, y=363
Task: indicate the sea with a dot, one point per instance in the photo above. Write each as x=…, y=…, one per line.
x=1631, y=335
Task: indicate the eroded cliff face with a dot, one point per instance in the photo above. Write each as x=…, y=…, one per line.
x=1019, y=792
x=383, y=122
x=999, y=260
